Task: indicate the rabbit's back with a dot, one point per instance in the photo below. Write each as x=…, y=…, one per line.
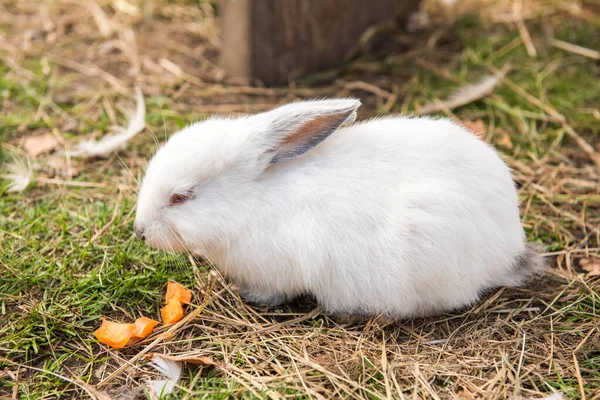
x=402, y=216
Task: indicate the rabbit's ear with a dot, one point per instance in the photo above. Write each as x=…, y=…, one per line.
x=298, y=127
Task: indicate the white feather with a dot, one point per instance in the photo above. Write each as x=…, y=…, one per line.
x=162, y=387
x=464, y=95
x=171, y=370
x=114, y=142
x=20, y=174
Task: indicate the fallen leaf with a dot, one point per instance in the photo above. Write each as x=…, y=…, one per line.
x=477, y=127
x=592, y=267
x=36, y=145
x=505, y=141
x=56, y=165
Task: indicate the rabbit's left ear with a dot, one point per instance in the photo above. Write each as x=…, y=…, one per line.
x=295, y=128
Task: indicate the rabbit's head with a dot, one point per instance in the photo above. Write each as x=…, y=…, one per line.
x=205, y=177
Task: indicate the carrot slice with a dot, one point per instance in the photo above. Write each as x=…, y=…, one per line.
x=114, y=334
x=176, y=290
x=143, y=327
x=172, y=312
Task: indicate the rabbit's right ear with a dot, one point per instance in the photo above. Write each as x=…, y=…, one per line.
x=294, y=129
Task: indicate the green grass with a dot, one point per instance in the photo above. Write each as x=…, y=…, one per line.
x=57, y=283
x=59, y=277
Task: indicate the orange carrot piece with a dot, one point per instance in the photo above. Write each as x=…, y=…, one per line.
x=172, y=312
x=176, y=290
x=114, y=334
x=143, y=327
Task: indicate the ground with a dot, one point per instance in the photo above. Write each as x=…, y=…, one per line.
x=68, y=254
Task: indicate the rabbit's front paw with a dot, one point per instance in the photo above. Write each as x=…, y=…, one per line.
x=259, y=297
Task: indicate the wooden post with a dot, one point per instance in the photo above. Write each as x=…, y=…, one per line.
x=275, y=41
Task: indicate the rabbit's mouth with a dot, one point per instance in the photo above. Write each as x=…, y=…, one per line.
x=164, y=239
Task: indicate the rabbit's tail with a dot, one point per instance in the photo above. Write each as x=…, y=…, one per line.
x=529, y=263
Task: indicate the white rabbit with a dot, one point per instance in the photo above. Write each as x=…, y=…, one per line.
x=399, y=216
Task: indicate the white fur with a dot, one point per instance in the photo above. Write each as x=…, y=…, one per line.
x=402, y=216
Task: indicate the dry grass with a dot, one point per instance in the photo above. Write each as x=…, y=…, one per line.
x=68, y=66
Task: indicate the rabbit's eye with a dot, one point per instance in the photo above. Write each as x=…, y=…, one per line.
x=179, y=198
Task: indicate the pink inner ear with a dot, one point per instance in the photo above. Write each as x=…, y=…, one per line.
x=307, y=136
x=310, y=129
